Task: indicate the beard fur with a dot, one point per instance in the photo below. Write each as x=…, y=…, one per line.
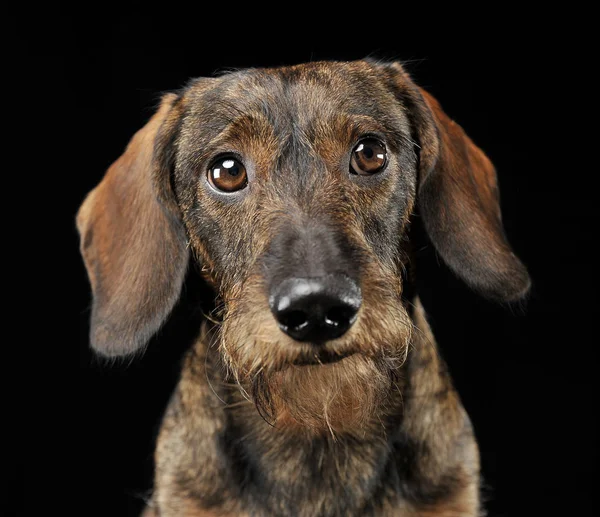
x=347, y=397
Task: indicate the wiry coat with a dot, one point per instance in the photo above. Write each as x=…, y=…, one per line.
x=261, y=424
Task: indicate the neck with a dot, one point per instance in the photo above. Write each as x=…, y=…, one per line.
x=326, y=428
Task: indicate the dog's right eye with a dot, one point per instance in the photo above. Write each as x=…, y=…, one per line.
x=227, y=174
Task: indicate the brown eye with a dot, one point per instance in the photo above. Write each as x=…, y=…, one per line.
x=228, y=174
x=368, y=157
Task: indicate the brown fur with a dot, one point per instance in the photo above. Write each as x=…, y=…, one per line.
x=130, y=271
x=257, y=425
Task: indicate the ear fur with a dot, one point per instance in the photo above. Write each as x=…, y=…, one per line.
x=458, y=198
x=133, y=242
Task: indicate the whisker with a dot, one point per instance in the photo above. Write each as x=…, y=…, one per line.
x=208, y=379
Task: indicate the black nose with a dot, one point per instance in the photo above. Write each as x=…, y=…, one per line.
x=316, y=309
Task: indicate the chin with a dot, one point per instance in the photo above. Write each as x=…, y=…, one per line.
x=346, y=396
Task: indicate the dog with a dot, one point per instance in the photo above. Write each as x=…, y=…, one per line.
x=315, y=387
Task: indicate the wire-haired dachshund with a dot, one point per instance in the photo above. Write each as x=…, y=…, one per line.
x=314, y=387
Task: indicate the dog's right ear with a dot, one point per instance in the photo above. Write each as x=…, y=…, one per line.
x=133, y=241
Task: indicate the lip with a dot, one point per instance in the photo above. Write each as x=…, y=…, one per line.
x=321, y=357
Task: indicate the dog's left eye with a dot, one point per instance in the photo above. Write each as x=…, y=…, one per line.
x=228, y=174
x=368, y=157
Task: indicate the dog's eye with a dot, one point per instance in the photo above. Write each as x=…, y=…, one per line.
x=228, y=174
x=368, y=157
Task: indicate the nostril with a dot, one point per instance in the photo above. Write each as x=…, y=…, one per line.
x=294, y=319
x=340, y=316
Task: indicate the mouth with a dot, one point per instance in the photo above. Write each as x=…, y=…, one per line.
x=321, y=357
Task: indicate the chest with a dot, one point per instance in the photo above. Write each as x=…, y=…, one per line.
x=319, y=477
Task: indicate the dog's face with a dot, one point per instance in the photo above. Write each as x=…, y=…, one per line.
x=293, y=188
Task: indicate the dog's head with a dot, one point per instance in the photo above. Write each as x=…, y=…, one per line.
x=293, y=189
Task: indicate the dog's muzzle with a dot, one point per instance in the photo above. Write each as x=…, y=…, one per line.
x=316, y=309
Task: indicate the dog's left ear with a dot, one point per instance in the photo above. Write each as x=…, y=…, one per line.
x=458, y=198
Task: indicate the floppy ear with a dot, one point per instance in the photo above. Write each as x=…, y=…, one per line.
x=458, y=199
x=133, y=242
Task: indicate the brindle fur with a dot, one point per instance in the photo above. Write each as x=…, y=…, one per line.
x=249, y=431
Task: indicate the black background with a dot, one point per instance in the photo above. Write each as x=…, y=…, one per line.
x=526, y=375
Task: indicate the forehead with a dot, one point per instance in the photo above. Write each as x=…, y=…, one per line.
x=311, y=97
